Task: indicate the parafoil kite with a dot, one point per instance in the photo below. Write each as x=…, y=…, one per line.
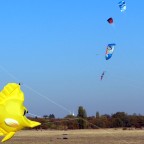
x=109, y=51
x=12, y=111
x=122, y=6
x=110, y=20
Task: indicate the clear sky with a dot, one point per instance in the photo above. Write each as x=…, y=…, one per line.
x=57, y=50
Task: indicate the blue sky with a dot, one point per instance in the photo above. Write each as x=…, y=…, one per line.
x=52, y=46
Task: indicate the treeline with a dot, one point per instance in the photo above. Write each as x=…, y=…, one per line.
x=82, y=121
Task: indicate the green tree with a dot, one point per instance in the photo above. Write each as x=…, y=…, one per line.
x=117, y=122
x=82, y=112
x=51, y=116
x=97, y=115
x=120, y=119
x=45, y=116
x=82, y=115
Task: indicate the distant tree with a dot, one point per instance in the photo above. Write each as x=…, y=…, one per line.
x=104, y=121
x=117, y=122
x=121, y=119
x=82, y=115
x=107, y=116
x=82, y=112
x=51, y=116
x=45, y=116
x=72, y=123
x=97, y=115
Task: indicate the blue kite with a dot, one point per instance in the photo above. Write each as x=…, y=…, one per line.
x=122, y=6
x=109, y=51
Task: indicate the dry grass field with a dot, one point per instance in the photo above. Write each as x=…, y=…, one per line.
x=99, y=136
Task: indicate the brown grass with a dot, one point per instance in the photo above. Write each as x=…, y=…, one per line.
x=99, y=136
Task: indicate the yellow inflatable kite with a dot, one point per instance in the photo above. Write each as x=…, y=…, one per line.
x=12, y=111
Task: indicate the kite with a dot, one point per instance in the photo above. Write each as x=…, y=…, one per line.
x=110, y=20
x=12, y=111
x=102, y=75
x=109, y=51
x=122, y=6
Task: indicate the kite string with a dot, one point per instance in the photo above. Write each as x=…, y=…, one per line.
x=41, y=95
x=36, y=92
x=34, y=115
x=8, y=73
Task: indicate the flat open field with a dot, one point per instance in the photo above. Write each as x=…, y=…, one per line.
x=99, y=136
